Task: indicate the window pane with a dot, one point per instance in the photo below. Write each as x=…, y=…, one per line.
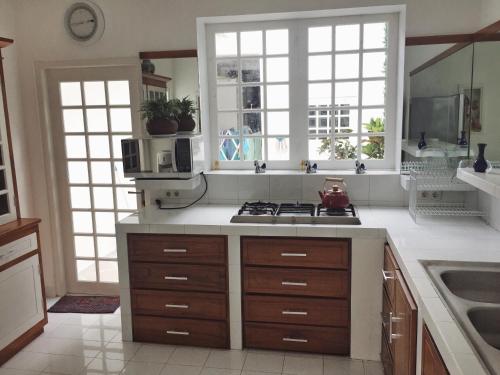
x=277, y=97
x=251, y=97
x=119, y=176
x=121, y=119
x=278, y=123
x=84, y=246
x=277, y=69
x=252, y=123
x=346, y=37
x=320, y=39
x=108, y=272
x=103, y=197
x=373, y=120
x=73, y=120
x=106, y=247
x=346, y=148
x=320, y=67
x=346, y=93
x=117, y=145
x=4, y=204
x=346, y=120
x=75, y=147
x=86, y=270
x=226, y=97
x=253, y=149
x=227, y=123
x=97, y=120
x=251, y=70
x=226, y=44
x=229, y=149
x=320, y=148
x=105, y=222
x=372, y=147
x=320, y=94
x=375, y=35
x=80, y=197
x=101, y=172
x=82, y=222
x=3, y=184
x=277, y=42
x=94, y=93
x=320, y=122
x=374, y=64
x=278, y=148
x=251, y=43
x=227, y=71
x=99, y=146
x=374, y=93
x=118, y=92
x=347, y=66
x=70, y=93
x=124, y=200
x=123, y=215
x=78, y=172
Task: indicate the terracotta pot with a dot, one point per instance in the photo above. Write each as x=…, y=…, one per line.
x=162, y=126
x=186, y=123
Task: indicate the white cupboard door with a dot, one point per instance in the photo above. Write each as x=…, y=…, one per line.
x=21, y=299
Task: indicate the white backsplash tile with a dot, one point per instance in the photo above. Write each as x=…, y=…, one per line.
x=285, y=188
x=253, y=188
x=385, y=189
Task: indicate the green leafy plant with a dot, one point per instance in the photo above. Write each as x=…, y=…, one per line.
x=161, y=108
x=374, y=146
x=186, y=106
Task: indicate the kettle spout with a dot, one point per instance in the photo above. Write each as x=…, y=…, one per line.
x=321, y=194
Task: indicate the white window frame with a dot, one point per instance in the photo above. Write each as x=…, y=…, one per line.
x=297, y=23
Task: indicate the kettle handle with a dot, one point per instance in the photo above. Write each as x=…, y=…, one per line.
x=336, y=179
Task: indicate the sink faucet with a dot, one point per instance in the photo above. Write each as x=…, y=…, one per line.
x=360, y=167
x=259, y=168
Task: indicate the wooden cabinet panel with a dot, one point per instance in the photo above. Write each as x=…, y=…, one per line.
x=177, y=248
x=386, y=356
x=178, y=277
x=389, y=273
x=312, y=253
x=296, y=281
x=180, y=331
x=294, y=310
x=297, y=338
x=432, y=362
x=179, y=304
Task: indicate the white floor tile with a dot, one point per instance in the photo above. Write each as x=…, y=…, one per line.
x=153, y=353
x=342, y=366
x=28, y=361
x=65, y=364
x=226, y=359
x=181, y=370
x=373, y=368
x=142, y=368
x=67, y=331
x=302, y=365
x=189, y=356
x=104, y=365
x=264, y=362
x=123, y=351
x=13, y=371
x=219, y=371
x=100, y=334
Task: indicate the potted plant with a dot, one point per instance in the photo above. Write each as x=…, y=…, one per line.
x=160, y=115
x=187, y=109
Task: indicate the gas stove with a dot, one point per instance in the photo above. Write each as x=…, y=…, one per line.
x=295, y=213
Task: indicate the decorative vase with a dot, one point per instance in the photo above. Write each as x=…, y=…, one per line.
x=186, y=123
x=147, y=66
x=421, y=143
x=480, y=165
x=162, y=126
x=463, y=139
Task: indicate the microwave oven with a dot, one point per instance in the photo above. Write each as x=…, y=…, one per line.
x=176, y=156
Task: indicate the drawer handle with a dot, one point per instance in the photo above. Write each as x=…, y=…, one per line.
x=171, y=306
x=175, y=250
x=388, y=275
x=293, y=254
x=178, y=278
x=289, y=339
x=293, y=283
x=288, y=312
x=178, y=333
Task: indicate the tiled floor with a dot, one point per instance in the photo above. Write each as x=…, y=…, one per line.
x=91, y=344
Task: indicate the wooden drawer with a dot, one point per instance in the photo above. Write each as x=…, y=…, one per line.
x=177, y=248
x=312, y=253
x=389, y=273
x=386, y=356
x=296, y=281
x=386, y=316
x=179, y=304
x=178, y=277
x=298, y=338
x=294, y=310
x=180, y=331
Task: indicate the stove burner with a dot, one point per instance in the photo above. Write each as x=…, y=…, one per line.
x=258, y=208
x=296, y=208
x=348, y=211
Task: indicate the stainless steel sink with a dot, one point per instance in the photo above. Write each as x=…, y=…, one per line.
x=472, y=292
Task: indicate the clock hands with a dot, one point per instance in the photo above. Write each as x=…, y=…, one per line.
x=82, y=22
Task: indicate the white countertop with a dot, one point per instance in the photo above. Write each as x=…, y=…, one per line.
x=452, y=238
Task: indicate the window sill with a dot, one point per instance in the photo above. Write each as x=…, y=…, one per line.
x=292, y=172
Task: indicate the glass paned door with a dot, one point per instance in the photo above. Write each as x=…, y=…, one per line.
x=94, y=107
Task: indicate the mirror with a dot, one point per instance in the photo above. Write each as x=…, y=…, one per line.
x=172, y=75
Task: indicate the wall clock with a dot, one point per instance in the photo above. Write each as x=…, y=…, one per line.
x=84, y=22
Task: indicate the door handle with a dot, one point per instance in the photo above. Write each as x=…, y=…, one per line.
x=392, y=335
x=387, y=275
x=289, y=339
x=175, y=250
x=293, y=254
x=178, y=333
x=178, y=278
x=288, y=312
x=293, y=283
x=172, y=306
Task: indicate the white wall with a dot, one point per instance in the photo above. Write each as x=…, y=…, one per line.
x=490, y=12
x=133, y=26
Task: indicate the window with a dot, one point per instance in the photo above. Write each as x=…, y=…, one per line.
x=323, y=89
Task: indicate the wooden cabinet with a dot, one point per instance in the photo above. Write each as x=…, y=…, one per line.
x=179, y=289
x=296, y=294
x=432, y=362
x=399, y=321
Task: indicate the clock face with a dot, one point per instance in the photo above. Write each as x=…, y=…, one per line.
x=84, y=22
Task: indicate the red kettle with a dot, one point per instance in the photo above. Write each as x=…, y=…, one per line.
x=334, y=194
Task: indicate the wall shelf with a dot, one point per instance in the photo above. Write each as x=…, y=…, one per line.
x=489, y=183
x=435, y=149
